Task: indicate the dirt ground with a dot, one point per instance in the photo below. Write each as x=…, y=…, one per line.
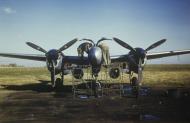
x=39, y=103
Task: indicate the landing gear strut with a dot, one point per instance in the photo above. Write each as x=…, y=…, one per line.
x=134, y=84
x=96, y=87
x=57, y=83
x=53, y=75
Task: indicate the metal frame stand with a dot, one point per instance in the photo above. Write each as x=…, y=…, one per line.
x=100, y=84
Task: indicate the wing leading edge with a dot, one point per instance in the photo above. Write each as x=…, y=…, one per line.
x=166, y=54
x=124, y=58
x=24, y=56
x=67, y=59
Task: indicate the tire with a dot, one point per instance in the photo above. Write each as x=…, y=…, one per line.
x=58, y=84
x=134, y=81
x=135, y=86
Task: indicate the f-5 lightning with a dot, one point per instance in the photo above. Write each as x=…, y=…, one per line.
x=97, y=56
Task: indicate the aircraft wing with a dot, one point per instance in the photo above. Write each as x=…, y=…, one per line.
x=119, y=58
x=67, y=59
x=125, y=58
x=76, y=60
x=24, y=56
x=166, y=54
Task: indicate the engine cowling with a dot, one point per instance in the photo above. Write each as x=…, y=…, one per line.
x=114, y=73
x=78, y=73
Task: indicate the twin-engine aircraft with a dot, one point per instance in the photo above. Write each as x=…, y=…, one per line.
x=57, y=62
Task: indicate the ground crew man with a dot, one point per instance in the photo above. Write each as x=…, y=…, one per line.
x=105, y=53
x=84, y=47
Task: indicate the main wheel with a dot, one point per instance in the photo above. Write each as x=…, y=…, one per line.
x=58, y=84
x=134, y=81
x=135, y=86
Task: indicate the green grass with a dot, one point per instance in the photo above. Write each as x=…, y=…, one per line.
x=153, y=75
x=167, y=75
x=21, y=75
x=168, y=67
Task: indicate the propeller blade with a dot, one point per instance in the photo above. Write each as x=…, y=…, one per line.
x=36, y=47
x=102, y=39
x=88, y=40
x=156, y=44
x=67, y=45
x=125, y=45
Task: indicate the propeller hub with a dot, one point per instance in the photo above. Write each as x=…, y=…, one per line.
x=135, y=57
x=139, y=54
x=52, y=55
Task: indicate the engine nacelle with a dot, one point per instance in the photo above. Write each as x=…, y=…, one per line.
x=78, y=73
x=114, y=73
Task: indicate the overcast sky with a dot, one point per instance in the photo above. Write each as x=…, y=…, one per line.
x=52, y=23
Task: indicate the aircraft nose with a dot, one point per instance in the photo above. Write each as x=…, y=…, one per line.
x=95, y=56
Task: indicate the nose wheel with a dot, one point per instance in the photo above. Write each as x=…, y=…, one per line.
x=135, y=84
x=96, y=87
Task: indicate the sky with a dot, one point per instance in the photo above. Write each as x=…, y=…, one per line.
x=52, y=23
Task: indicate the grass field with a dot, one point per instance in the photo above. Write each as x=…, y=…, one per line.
x=154, y=75
x=23, y=98
x=167, y=75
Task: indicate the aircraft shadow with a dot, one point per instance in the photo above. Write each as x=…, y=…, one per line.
x=43, y=86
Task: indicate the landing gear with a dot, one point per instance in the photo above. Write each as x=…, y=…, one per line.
x=96, y=85
x=97, y=88
x=53, y=76
x=134, y=81
x=57, y=83
x=134, y=84
x=130, y=77
x=62, y=78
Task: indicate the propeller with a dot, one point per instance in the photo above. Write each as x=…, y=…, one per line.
x=52, y=55
x=64, y=47
x=138, y=54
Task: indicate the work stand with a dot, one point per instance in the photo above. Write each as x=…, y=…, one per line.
x=103, y=85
